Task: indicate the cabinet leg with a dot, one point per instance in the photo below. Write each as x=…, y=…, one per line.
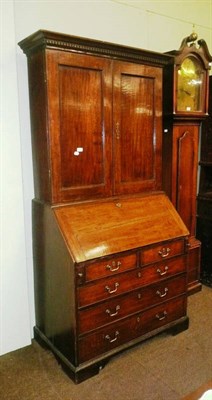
x=182, y=326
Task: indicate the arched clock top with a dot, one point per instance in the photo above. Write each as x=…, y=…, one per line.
x=191, y=46
x=186, y=80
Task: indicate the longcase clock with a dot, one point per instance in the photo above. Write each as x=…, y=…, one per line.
x=186, y=82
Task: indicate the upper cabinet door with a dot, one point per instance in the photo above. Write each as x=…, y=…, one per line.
x=79, y=114
x=137, y=127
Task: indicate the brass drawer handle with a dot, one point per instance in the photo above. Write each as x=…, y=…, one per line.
x=162, y=294
x=114, y=290
x=164, y=252
x=114, y=266
x=113, y=314
x=162, y=316
x=163, y=272
x=107, y=337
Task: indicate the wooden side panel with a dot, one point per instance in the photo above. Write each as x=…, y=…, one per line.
x=137, y=128
x=167, y=157
x=54, y=283
x=206, y=136
x=39, y=125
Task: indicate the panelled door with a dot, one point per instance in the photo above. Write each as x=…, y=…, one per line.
x=184, y=167
x=137, y=127
x=79, y=93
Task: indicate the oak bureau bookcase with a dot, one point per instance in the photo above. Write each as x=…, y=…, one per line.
x=110, y=250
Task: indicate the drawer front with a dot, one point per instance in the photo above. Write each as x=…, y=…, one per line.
x=110, y=311
x=112, y=336
x=119, y=284
x=109, y=267
x=109, y=287
x=163, y=270
x=162, y=251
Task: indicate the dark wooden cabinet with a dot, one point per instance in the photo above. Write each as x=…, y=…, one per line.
x=110, y=250
x=185, y=107
x=204, y=199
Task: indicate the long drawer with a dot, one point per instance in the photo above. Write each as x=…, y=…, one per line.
x=109, y=287
x=122, y=306
x=112, y=336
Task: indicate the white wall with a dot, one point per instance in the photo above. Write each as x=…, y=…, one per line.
x=14, y=305
x=155, y=25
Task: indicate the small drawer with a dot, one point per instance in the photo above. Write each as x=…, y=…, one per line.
x=106, y=339
x=122, y=306
x=110, y=266
x=163, y=251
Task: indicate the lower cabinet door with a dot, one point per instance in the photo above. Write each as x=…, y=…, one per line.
x=112, y=336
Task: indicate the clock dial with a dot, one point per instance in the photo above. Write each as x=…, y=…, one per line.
x=189, y=85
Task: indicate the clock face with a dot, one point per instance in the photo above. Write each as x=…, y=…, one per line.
x=190, y=86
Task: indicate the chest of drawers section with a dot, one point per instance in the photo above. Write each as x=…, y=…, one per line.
x=124, y=298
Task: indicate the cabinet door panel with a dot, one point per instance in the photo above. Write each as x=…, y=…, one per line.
x=185, y=162
x=137, y=127
x=80, y=124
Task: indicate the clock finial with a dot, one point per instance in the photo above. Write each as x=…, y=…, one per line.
x=193, y=36
x=188, y=40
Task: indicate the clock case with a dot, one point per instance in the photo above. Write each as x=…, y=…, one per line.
x=181, y=146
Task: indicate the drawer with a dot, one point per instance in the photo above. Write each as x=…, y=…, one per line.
x=109, y=267
x=163, y=251
x=106, y=288
x=110, y=311
x=117, y=334
x=165, y=269
x=125, y=282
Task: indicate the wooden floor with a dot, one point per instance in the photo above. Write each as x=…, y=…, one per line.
x=199, y=392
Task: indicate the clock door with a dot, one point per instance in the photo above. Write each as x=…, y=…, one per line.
x=184, y=168
x=137, y=128
x=191, y=79
x=79, y=91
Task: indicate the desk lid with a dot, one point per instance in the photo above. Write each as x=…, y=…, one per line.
x=96, y=229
